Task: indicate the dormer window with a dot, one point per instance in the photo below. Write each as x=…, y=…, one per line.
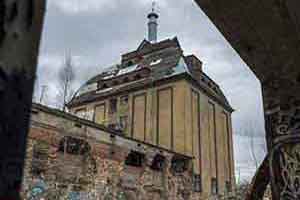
x=126, y=79
x=104, y=86
x=215, y=89
x=115, y=82
x=129, y=63
x=138, y=76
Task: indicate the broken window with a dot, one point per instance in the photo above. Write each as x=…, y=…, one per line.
x=197, y=183
x=129, y=63
x=135, y=159
x=179, y=164
x=112, y=106
x=214, y=186
x=74, y=146
x=158, y=162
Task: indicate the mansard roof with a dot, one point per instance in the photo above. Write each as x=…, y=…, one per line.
x=150, y=64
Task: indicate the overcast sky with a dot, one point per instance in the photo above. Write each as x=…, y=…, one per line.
x=97, y=32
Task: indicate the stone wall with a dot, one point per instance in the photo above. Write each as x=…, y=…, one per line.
x=71, y=158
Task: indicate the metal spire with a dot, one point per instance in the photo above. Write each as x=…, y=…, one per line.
x=152, y=24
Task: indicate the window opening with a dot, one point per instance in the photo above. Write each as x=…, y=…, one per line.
x=197, y=183
x=214, y=186
x=158, y=163
x=113, y=105
x=74, y=146
x=179, y=164
x=135, y=159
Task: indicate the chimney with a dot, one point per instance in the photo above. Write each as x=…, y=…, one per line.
x=194, y=65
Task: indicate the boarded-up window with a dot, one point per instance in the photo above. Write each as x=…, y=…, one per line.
x=213, y=141
x=100, y=114
x=227, y=157
x=139, y=117
x=164, y=117
x=196, y=130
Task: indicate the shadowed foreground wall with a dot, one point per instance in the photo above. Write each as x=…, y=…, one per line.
x=106, y=166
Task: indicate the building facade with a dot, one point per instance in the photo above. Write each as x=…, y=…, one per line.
x=160, y=96
x=153, y=127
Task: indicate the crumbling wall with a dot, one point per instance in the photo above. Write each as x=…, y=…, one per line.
x=118, y=168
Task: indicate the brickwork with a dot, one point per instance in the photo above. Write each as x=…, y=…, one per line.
x=105, y=166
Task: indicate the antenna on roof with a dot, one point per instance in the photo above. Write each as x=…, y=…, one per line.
x=153, y=6
x=152, y=24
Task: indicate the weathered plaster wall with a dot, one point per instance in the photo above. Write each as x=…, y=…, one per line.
x=198, y=128
x=216, y=140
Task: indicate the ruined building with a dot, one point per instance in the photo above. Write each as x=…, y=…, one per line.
x=154, y=126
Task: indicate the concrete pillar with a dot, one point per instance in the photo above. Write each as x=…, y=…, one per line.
x=20, y=32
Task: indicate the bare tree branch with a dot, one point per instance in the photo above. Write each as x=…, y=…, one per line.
x=66, y=77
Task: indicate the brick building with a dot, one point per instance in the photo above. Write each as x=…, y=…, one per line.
x=154, y=126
